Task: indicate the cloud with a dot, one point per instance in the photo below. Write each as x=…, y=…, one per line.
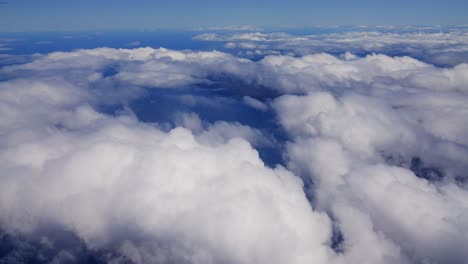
x=135, y=43
x=383, y=207
x=230, y=45
x=374, y=151
x=254, y=103
x=168, y=69
x=364, y=158
x=171, y=192
x=221, y=132
x=231, y=28
x=323, y=71
x=114, y=180
x=5, y=43
x=143, y=66
x=446, y=48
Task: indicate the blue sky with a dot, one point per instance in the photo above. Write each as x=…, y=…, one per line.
x=33, y=15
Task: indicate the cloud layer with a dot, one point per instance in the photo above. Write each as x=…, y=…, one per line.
x=108, y=178
x=374, y=154
x=430, y=44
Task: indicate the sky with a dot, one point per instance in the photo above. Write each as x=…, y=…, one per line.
x=50, y=15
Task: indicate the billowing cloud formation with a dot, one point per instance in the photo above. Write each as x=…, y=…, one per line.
x=361, y=161
x=323, y=70
x=108, y=178
x=108, y=70
x=382, y=158
x=374, y=149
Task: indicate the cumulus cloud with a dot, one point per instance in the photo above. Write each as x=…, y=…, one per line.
x=172, y=193
x=380, y=138
x=365, y=159
x=147, y=67
x=161, y=196
x=374, y=150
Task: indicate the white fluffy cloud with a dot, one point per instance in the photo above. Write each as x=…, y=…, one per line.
x=380, y=142
x=358, y=151
x=319, y=71
x=221, y=131
x=106, y=177
x=164, y=68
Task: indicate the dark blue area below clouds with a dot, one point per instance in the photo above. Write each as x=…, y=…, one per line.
x=211, y=105
x=46, y=42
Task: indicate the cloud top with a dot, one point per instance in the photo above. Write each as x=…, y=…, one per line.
x=374, y=153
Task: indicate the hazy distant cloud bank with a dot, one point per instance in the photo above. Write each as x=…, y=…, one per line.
x=374, y=158
x=442, y=48
x=5, y=42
